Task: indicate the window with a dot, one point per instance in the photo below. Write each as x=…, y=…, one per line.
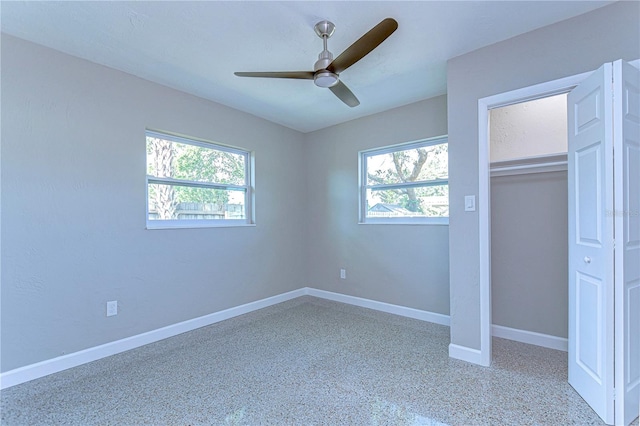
x=192, y=183
x=405, y=183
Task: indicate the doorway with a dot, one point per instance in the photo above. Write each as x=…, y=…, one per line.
x=529, y=213
x=538, y=91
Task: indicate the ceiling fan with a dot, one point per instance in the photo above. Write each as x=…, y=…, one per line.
x=326, y=70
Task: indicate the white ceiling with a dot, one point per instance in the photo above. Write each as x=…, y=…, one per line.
x=196, y=46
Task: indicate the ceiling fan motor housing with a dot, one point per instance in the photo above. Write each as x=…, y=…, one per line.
x=322, y=77
x=324, y=59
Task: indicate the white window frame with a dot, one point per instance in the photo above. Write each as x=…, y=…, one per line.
x=247, y=188
x=362, y=165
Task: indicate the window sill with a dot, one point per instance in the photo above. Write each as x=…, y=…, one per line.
x=191, y=224
x=407, y=221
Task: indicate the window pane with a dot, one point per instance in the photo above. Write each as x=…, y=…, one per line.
x=428, y=201
x=171, y=202
x=191, y=162
x=411, y=165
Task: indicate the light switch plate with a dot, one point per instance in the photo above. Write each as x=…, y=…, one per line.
x=469, y=203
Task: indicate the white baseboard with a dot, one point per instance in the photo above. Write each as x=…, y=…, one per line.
x=380, y=306
x=55, y=365
x=530, y=337
x=51, y=366
x=465, y=354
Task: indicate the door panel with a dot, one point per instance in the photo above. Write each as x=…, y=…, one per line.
x=587, y=111
x=588, y=195
x=626, y=122
x=633, y=344
x=632, y=186
x=591, y=232
x=589, y=299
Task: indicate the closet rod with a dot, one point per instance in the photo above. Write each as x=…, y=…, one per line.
x=528, y=166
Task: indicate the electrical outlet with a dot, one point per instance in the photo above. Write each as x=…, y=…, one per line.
x=112, y=308
x=343, y=274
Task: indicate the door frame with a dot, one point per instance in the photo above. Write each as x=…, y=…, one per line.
x=538, y=91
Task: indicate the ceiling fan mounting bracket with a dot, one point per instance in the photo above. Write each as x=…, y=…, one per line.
x=324, y=29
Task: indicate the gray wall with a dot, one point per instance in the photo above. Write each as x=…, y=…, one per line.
x=400, y=264
x=73, y=201
x=567, y=48
x=529, y=277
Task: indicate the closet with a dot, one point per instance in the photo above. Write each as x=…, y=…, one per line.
x=603, y=235
x=528, y=154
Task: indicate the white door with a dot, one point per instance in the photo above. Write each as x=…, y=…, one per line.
x=604, y=241
x=626, y=130
x=591, y=236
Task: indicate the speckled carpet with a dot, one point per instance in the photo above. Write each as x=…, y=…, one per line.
x=306, y=361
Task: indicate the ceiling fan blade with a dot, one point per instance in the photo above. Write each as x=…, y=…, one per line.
x=344, y=94
x=304, y=75
x=363, y=45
